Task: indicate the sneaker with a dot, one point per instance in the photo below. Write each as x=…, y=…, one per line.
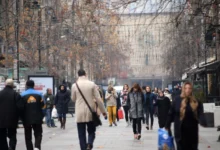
x=48, y=126
x=151, y=127
x=110, y=125
x=36, y=149
x=147, y=127
x=139, y=136
x=128, y=124
x=115, y=123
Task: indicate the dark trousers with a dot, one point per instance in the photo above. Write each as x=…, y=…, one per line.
x=82, y=134
x=181, y=146
x=149, y=112
x=137, y=125
x=117, y=114
x=126, y=111
x=11, y=134
x=38, y=131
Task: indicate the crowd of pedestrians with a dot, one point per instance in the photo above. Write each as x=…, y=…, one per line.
x=139, y=105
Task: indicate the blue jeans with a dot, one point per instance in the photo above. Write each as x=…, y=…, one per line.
x=82, y=134
x=49, y=119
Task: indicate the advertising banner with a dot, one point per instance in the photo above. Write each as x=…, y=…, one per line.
x=42, y=83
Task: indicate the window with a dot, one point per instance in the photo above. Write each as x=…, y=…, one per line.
x=146, y=60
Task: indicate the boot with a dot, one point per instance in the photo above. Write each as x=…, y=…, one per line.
x=64, y=123
x=61, y=122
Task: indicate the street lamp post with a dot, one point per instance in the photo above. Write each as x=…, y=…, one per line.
x=39, y=39
x=17, y=38
x=54, y=19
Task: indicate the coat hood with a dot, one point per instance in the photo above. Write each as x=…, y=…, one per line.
x=65, y=88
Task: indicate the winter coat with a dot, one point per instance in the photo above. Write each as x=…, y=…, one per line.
x=185, y=130
x=118, y=101
x=9, y=108
x=33, y=106
x=90, y=92
x=136, y=104
x=62, y=100
x=163, y=104
x=49, y=101
x=149, y=99
x=111, y=99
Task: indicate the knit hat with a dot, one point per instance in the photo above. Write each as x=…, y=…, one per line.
x=30, y=83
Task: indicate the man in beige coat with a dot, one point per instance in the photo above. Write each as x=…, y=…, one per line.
x=83, y=114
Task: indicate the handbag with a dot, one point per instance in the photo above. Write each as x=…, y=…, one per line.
x=95, y=118
x=120, y=114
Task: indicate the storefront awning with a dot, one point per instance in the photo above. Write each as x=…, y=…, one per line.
x=212, y=66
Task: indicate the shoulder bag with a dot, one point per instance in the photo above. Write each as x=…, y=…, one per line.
x=95, y=118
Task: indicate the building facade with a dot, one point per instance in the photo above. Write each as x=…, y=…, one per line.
x=144, y=34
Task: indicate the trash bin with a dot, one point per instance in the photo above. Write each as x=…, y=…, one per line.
x=209, y=116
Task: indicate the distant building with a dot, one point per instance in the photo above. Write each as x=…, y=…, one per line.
x=145, y=35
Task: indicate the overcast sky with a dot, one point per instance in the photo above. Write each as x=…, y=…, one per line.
x=149, y=6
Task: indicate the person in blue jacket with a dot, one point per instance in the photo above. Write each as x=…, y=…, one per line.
x=32, y=115
x=149, y=100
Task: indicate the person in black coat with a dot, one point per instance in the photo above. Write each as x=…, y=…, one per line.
x=187, y=113
x=61, y=102
x=163, y=104
x=118, y=105
x=9, y=114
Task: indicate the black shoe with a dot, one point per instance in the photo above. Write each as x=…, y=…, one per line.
x=218, y=139
x=147, y=127
x=115, y=123
x=151, y=127
x=89, y=147
x=139, y=136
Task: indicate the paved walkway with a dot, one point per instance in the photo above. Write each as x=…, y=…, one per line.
x=116, y=138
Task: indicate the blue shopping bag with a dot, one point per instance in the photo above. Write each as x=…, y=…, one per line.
x=165, y=142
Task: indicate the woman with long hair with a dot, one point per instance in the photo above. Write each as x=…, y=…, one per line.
x=186, y=112
x=111, y=98
x=124, y=96
x=136, y=103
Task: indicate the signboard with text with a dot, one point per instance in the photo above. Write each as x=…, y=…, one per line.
x=42, y=83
